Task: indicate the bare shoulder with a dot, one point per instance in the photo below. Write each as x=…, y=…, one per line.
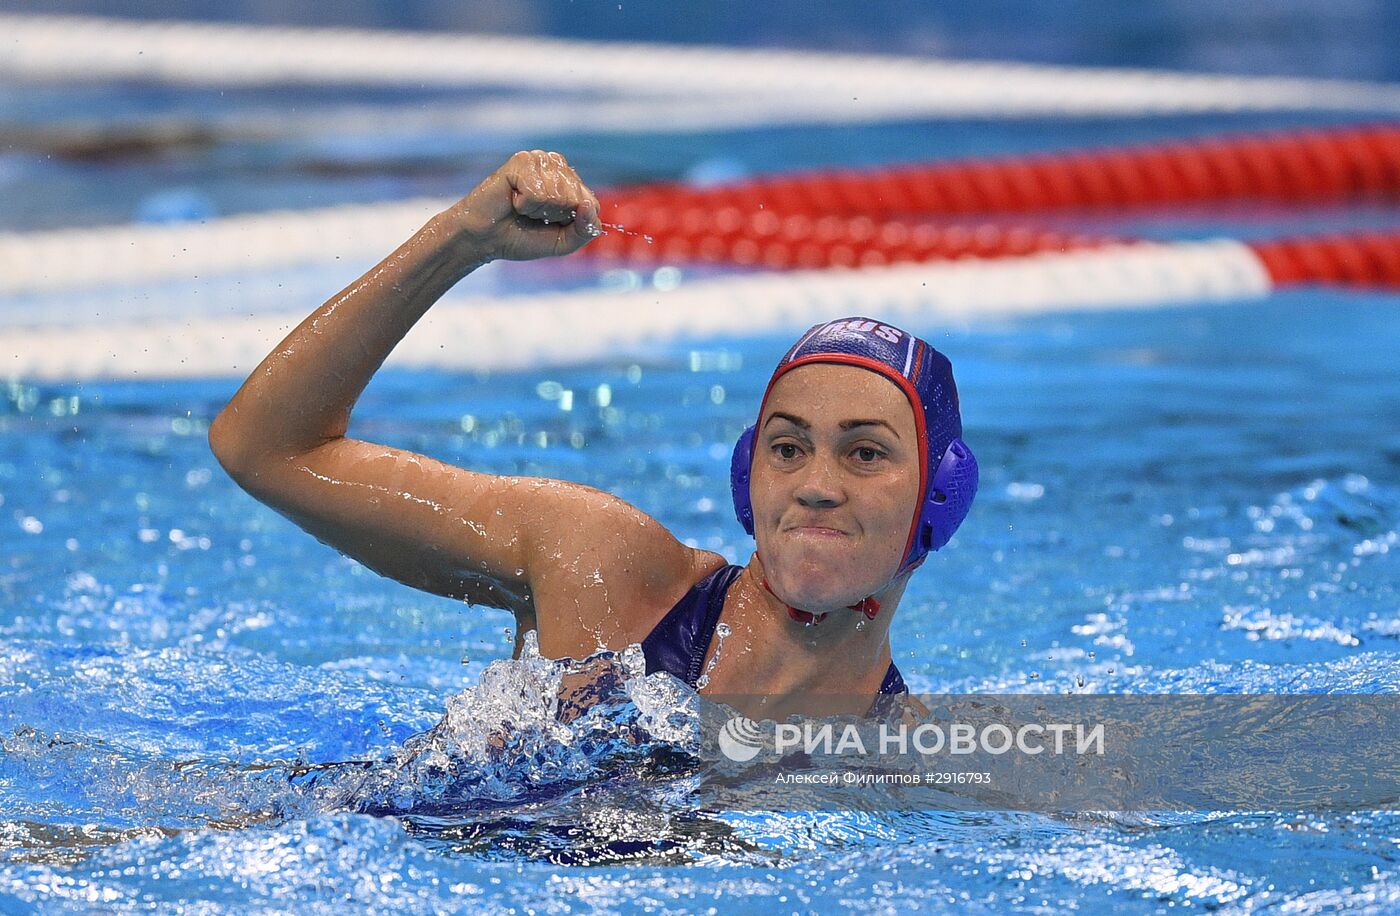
x=604, y=572
x=583, y=567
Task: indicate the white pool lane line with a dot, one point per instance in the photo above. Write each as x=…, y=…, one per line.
x=713, y=85
x=556, y=329
x=135, y=253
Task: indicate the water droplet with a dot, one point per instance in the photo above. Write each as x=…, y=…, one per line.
x=623, y=230
x=721, y=631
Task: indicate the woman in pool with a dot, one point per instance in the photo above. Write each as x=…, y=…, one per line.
x=854, y=472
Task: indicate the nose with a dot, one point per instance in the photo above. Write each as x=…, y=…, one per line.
x=820, y=485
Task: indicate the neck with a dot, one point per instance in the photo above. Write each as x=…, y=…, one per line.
x=836, y=649
x=868, y=606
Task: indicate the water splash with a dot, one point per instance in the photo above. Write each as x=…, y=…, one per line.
x=623, y=230
x=721, y=631
x=535, y=728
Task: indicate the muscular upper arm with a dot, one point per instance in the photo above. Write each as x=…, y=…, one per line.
x=586, y=567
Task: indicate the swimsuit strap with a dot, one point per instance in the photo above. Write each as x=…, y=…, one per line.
x=679, y=643
x=894, y=682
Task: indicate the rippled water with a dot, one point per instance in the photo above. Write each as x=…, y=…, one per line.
x=199, y=703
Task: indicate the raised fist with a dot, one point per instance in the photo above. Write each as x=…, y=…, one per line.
x=534, y=206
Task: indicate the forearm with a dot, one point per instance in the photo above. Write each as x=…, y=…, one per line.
x=301, y=395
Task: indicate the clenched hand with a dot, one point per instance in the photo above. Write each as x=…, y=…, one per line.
x=534, y=206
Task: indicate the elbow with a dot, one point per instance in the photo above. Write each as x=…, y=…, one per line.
x=230, y=445
x=242, y=457
x=251, y=459
x=222, y=441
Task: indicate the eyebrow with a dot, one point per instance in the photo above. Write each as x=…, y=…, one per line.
x=844, y=424
x=855, y=424
x=795, y=421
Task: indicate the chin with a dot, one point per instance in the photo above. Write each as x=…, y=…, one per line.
x=809, y=584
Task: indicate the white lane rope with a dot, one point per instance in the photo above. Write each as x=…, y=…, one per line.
x=478, y=333
x=754, y=85
x=64, y=259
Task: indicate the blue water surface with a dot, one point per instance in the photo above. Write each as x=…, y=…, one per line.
x=1196, y=500
x=203, y=708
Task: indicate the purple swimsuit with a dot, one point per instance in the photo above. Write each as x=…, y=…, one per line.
x=679, y=642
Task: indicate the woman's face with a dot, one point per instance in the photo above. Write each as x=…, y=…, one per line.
x=834, y=481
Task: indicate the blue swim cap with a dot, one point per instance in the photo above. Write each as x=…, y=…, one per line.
x=948, y=471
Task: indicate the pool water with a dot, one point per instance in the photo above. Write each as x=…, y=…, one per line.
x=202, y=707
x=1196, y=500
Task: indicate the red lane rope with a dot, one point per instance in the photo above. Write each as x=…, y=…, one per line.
x=765, y=239
x=1369, y=259
x=1303, y=165
x=851, y=218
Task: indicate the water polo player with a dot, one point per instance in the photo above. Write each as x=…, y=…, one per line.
x=854, y=471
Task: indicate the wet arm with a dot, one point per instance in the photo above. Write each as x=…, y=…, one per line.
x=282, y=437
x=582, y=563
x=300, y=397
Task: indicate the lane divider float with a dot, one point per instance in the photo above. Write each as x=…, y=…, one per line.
x=1307, y=165
x=475, y=334
x=819, y=219
x=761, y=85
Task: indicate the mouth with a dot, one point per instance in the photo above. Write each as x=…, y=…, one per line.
x=816, y=531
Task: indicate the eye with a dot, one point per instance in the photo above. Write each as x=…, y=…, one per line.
x=867, y=454
x=786, y=450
